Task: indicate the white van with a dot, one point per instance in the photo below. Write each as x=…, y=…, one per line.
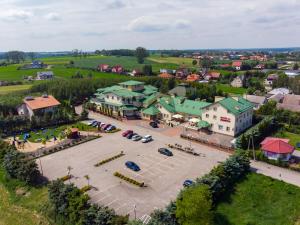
x=147, y=138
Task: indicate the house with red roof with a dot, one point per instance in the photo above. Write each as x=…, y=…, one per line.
x=38, y=105
x=193, y=78
x=214, y=75
x=104, y=68
x=117, y=69
x=237, y=65
x=277, y=148
x=165, y=76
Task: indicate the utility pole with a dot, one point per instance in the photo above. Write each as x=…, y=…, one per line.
x=134, y=209
x=251, y=141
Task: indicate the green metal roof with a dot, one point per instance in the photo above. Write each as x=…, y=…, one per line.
x=149, y=100
x=164, y=103
x=122, y=92
x=131, y=83
x=149, y=90
x=107, y=89
x=203, y=124
x=152, y=111
x=234, y=106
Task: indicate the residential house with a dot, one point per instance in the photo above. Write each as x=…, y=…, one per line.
x=238, y=82
x=268, y=82
x=136, y=73
x=125, y=99
x=277, y=148
x=104, y=68
x=290, y=102
x=44, y=75
x=165, y=76
x=167, y=71
x=193, y=78
x=182, y=73
x=117, y=69
x=38, y=105
x=214, y=75
x=257, y=101
x=237, y=65
x=230, y=116
x=181, y=90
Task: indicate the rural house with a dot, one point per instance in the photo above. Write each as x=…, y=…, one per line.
x=277, y=148
x=238, y=82
x=237, y=65
x=104, y=68
x=45, y=75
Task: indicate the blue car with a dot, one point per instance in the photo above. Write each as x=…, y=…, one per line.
x=111, y=128
x=187, y=183
x=133, y=166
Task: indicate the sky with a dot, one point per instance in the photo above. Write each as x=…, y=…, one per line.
x=59, y=25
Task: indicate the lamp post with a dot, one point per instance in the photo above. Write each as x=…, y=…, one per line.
x=134, y=210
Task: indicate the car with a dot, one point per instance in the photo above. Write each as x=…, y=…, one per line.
x=187, y=183
x=153, y=124
x=147, y=138
x=133, y=166
x=136, y=137
x=125, y=133
x=112, y=127
x=130, y=135
x=92, y=122
x=95, y=124
x=106, y=126
x=102, y=125
x=165, y=151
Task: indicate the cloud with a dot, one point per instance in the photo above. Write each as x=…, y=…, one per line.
x=93, y=34
x=153, y=24
x=16, y=15
x=53, y=16
x=115, y=4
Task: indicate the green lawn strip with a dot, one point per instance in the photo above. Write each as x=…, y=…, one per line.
x=294, y=138
x=231, y=90
x=14, y=88
x=260, y=200
x=20, y=204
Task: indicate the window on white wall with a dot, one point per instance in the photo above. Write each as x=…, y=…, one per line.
x=220, y=127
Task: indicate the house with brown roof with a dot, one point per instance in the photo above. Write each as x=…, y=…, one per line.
x=237, y=65
x=193, y=78
x=38, y=105
x=290, y=102
x=214, y=75
x=165, y=76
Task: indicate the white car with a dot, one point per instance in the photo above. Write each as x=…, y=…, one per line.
x=147, y=138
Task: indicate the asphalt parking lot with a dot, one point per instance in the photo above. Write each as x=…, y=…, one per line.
x=163, y=175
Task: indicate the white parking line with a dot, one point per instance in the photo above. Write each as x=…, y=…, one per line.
x=107, y=205
x=101, y=199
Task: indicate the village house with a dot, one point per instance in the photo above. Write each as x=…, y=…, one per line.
x=290, y=102
x=257, y=101
x=268, y=82
x=193, y=78
x=238, y=81
x=182, y=73
x=117, y=69
x=230, y=116
x=38, y=105
x=165, y=76
x=44, y=75
x=136, y=73
x=277, y=148
x=214, y=75
x=104, y=68
x=237, y=65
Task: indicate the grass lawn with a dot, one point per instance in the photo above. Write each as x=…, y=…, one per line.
x=49, y=133
x=174, y=60
x=260, y=200
x=21, y=209
x=13, y=88
x=294, y=138
x=231, y=90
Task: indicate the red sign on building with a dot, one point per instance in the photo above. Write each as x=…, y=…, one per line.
x=225, y=119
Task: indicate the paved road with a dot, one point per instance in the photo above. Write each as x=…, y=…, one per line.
x=275, y=172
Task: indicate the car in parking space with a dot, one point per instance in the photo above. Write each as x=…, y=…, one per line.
x=102, y=125
x=125, y=133
x=95, y=124
x=91, y=122
x=147, y=138
x=130, y=135
x=136, y=137
x=153, y=124
x=133, y=166
x=111, y=128
x=106, y=126
x=187, y=183
x=165, y=151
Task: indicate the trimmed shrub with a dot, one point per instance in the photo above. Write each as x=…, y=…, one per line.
x=109, y=159
x=129, y=180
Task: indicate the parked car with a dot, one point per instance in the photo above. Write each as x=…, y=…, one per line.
x=130, y=135
x=102, y=125
x=106, y=126
x=95, y=124
x=133, y=166
x=136, y=137
x=153, y=124
x=147, y=138
x=112, y=127
x=165, y=151
x=92, y=122
x=187, y=183
x=124, y=134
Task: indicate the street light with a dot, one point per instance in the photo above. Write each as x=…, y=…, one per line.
x=134, y=210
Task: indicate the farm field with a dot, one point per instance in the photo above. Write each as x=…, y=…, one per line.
x=26, y=206
x=174, y=60
x=231, y=90
x=260, y=200
x=13, y=88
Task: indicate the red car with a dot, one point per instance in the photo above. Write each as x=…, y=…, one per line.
x=126, y=133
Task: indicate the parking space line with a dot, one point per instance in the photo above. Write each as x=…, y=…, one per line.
x=101, y=199
x=116, y=200
x=120, y=207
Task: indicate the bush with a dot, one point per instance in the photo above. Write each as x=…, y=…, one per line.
x=109, y=159
x=85, y=188
x=65, y=178
x=129, y=180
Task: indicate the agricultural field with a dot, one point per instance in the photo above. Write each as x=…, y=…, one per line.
x=231, y=90
x=20, y=204
x=174, y=60
x=13, y=88
x=260, y=200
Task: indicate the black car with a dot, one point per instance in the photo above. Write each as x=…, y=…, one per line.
x=133, y=166
x=165, y=151
x=130, y=135
x=153, y=124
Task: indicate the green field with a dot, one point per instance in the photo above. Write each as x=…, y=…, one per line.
x=231, y=90
x=260, y=200
x=13, y=88
x=20, y=205
x=294, y=138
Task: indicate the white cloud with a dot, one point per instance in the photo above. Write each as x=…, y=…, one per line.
x=16, y=15
x=53, y=16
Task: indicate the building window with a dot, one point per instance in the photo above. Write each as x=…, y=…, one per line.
x=227, y=128
x=215, y=117
x=220, y=127
x=215, y=108
x=112, y=97
x=207, y=115
x=107, y=96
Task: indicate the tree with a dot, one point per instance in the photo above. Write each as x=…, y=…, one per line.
x=194, y=206
x=194, y=63
x=147, y=70
x=171, y=83
x=296, y=66
x=141, y=53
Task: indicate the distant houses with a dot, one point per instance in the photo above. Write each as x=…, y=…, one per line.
x=108, y=69
x=45, y=75
x=36, y=64
x=238, y=82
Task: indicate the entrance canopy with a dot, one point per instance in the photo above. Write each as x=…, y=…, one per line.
x=177, y=116
x=194, y=120
x=203, y=124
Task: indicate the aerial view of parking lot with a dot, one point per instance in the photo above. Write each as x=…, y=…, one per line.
x=162, y=169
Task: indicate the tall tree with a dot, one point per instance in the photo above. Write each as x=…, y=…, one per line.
x=141, y=53
x=194, y=206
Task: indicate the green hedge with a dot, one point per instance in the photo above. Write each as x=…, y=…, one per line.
x=65, y=178
x=129, y=180
x=109, y=159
